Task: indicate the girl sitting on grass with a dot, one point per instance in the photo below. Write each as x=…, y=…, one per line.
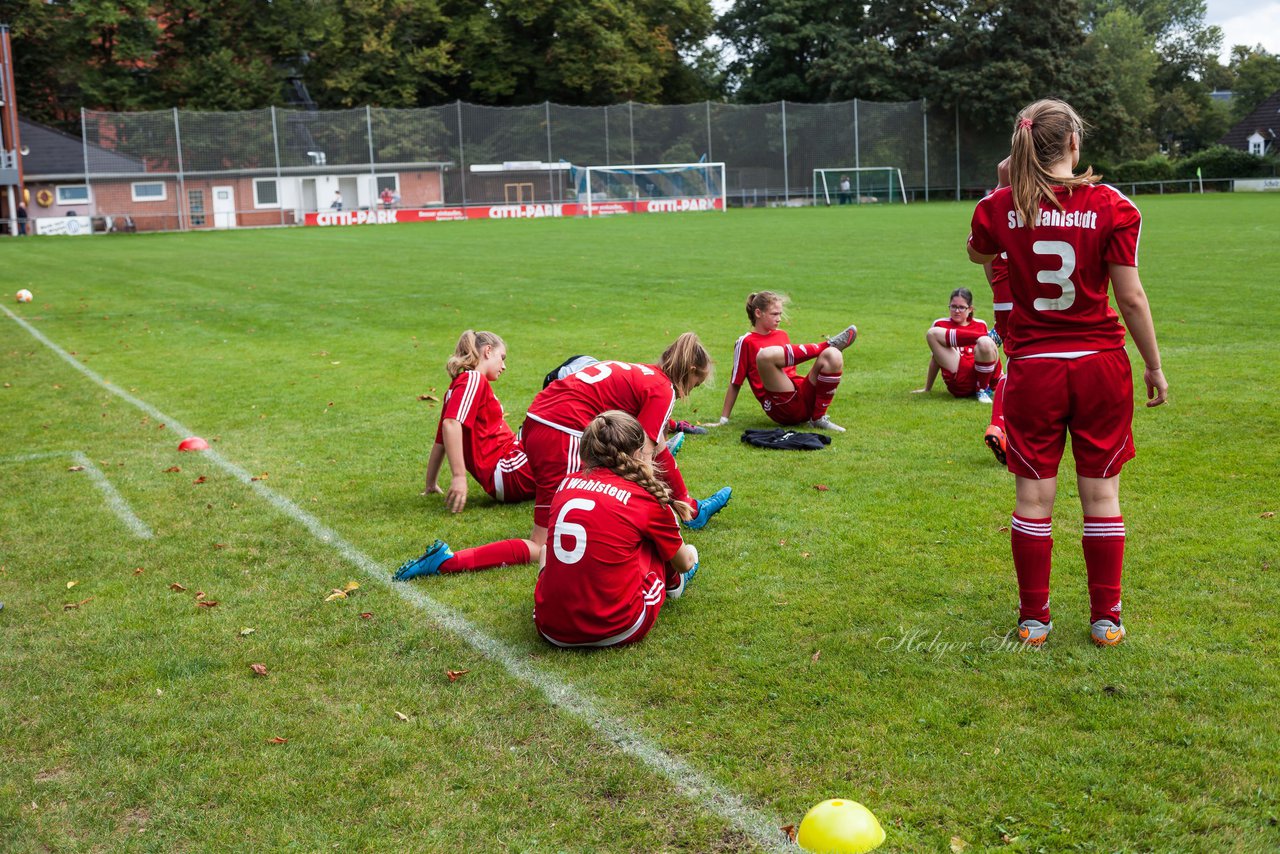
x=472, y=432
x=962, y=348
x=615, y=553
x=766, y=358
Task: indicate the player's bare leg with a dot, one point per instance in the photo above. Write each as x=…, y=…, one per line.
x=946, y=356
x=770, y=361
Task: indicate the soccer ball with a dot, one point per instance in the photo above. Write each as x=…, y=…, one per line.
x=840, y=827
x=23, y=295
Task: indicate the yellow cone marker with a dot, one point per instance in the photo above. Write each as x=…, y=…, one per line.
x=840, y=826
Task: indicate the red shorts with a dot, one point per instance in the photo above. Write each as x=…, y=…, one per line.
x=652, y=594
x=964, y=382
x=512, y=476
x=1090, y=397
x=795, y=406
x=552, y=455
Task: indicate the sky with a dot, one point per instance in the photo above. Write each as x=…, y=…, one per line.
x=1248, y=22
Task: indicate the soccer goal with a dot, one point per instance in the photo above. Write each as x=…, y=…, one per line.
x=854, y=185
x=650, y=188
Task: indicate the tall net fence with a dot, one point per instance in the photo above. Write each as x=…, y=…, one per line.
x=177, y=169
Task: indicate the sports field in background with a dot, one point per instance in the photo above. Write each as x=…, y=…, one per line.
x=840, y=640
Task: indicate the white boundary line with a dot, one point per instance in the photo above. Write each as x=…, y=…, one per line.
x=115, y=500
x=761, y=828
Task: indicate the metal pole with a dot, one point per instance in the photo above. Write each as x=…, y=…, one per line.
x=924, y=111
x=607, y=161
x=957, y=151
x=710, y=156
x=373, y=172
x=551, y=180
x=786, y=174
x=84, y=140
x=631, y=120
x=275, y=138
x=857, y=155
x=182, y=182
x=462, y=158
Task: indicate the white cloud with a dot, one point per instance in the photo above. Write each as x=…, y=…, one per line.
x=1247, y=23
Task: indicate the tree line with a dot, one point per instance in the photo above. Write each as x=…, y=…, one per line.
x=1141, y=70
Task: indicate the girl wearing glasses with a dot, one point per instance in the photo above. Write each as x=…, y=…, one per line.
x=1067, y=238
x=961, y=347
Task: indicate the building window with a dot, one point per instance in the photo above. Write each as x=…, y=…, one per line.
x=266, y=193
x=1255, y=146
x=195, y=207
x=388, y=182
x=150, y=191
x=73, y=194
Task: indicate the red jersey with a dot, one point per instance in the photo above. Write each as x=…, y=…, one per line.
x=744, y=360
x=1058, y=271
x=640, y=390
x=1001, y=295
x=485, y=435
x=593, y=584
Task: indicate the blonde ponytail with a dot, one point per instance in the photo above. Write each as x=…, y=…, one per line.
x=470, y=351
x=612, y=440
x=686, y=363
x=1041, y=138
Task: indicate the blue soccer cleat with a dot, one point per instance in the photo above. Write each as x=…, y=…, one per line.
x=709, y=507
x=675, y=443
x=428, y=564
x=685, y=577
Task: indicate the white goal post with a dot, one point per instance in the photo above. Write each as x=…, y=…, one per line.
x=876, y=182
x=644, y=187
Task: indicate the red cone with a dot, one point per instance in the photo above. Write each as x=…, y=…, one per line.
x=195, y=443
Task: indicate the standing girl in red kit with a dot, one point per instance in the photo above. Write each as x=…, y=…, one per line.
x=552, y=433
x=962, y=349
x=1067, y=237
x=766, y=358
x=472, y=432
x=615, y=552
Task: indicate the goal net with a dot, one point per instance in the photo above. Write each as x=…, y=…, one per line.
x=646, y=188
x=855, y=185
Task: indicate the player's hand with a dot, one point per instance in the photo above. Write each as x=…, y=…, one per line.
x=456, y=498
x=724, y=419
x=921, y=390
x=995, y=337
x=1157, y=386
x=1002, y=174
x=432, y=489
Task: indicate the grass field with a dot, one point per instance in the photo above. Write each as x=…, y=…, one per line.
x=835, y=643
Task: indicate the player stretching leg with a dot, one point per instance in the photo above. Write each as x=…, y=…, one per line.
x=963, y=350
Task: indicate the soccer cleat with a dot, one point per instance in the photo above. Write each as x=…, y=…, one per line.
x=845, y=338
x=675, y=443
x=985, y=396
x=428, y=564
x=1034, y=632
x=997, y=443
x=709, y=507
x=825, y=423
x=995, y=338
x=694, y=429
x=685, y=577
x=1107, y=633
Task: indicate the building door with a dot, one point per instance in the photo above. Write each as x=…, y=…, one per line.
x=224, y=207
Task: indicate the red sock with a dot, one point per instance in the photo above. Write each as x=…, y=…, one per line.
x=1103, y=543
x=997, y=404
x=501, y=553
x=827, y=385
x=799, y=353
x=1032, y=541
x=670, y=472
x=984, y=371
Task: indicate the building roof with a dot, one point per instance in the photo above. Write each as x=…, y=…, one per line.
x=1265, y=119
x=52, y=154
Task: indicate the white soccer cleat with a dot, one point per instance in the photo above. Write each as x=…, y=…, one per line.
x=845, y=338
x=825, y=423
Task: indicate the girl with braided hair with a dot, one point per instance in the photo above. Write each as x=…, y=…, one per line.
x=614, y=552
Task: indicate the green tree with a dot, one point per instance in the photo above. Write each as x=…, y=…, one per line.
x=1257, y=77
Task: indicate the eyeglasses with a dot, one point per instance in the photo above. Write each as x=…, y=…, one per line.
x=959, y=307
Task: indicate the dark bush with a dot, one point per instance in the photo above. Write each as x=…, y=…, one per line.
x=1222, y=162
x=1157, y=167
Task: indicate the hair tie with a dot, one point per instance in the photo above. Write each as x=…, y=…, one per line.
x=1024, y=123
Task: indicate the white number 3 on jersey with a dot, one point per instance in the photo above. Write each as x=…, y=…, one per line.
x=1060, y=277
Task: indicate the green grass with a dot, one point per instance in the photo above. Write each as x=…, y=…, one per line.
x=836, y=643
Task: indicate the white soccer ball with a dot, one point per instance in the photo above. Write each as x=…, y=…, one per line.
x=23, y=295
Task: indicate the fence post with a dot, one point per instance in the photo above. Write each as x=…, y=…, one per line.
x=631, y=121
x=924, y=111
x=182, y=180
x=857, y=155
x=957, y=151
x=373, y=172
x=710, y=157
x=607, y=159
x=786, y=174
x=84, y=141
x=275, y=139
x=551, y=181
x=462, y=156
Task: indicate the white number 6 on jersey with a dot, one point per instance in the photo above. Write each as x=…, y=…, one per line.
x=577, y=532
x=1060, y=277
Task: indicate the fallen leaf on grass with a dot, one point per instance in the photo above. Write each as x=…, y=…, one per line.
x=814, y=658
x=790, y=832
x=1007, y=839
x=262, y=476
x=258, y=669
x=958, y=845
x=200, y=479
x=1267, y=515
x=430, y=397
x=336, y=594
x=207, y=603
x=200, y=594
x=172, y=469
x=455, y=675
x=402, y=716
x=219, y=545
x=782, y=542
x=177, y=588
x=275, y=739
x=821, y=487
x=246, y=631
x=367, y=615
x=71, y=606
x=75, y=468
x=349, y=586
x=138, y=571
x=71, y=584
x=806, y=554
